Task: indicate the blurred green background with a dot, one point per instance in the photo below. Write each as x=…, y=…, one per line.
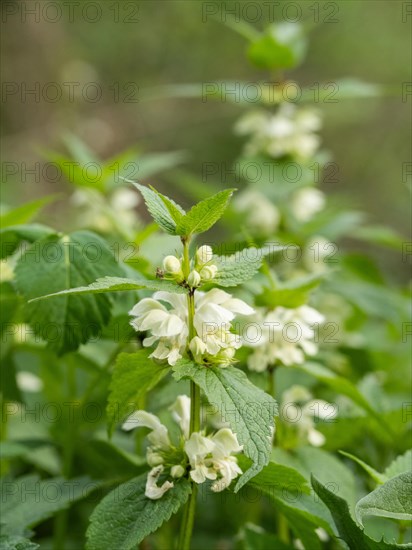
x=128, y=47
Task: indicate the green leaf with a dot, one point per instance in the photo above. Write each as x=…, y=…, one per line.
x=401, y=464
x=31, y=500
x=24, y=213
x=11, y=236
x=175, y=210
x=292, y=294
x=276, y=478
x=379, y=478
x=133, y=376
x=282, y=47
x=240, y=267
x=15, y=542
x=249, y=410
x=108, y=461
x=204, y=214
x=348, y=530
x=125, y=516
x=393, y=499
x=116, y=284
x=157, y=208
x=57, y=263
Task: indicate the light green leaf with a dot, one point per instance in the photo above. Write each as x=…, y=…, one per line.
x=26, y=212
x=11, y=236
x=283, y=46
x=204, y=214
x=126, y=516
x=116, y=284
x=133, y=376
x=401, y=464
x=240, y=267
x=57, y=263
x=175, y=210
x=15, y=542
x=249, y=410
x=379, y=478
x=157, y=208
x=29, y=500
x=348, y=530
x=393, y=499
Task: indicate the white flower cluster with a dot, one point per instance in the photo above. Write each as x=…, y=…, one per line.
x=214, y=311
x=290, y=131
x=204, y=457
x=261, y=216
x=286, y=336
x=308, y=412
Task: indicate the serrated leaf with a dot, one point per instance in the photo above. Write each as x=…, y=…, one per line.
x=239, y=267
x=11, y=236
x=157, y=208
x=31, y=500
x=292, y=294
x=116, y=284
x=348, y=530
x=126, y=516
x=378, y=477
x=133, y=376
x=204, y=214
x=401, y=464
x=57, y=263
x=393, y=500
x=25, y=212
x=249, y=410
x=175, y=210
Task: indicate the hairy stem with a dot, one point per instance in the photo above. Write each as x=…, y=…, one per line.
x=190, y=508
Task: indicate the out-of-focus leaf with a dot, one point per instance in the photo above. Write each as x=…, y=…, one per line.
x=291, y=294
x=133, y=376
x=401, y=464
x=283, y=46
x=393, y=499
x=23, y=214
x=57, y=263
x=348, y=530
x=11, y=236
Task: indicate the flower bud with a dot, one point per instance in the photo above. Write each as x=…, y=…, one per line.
x=194, y=278
x=208, y=272
x=153, y=458
x=204, y=254
x=177, y=471
x=171, y=264
x=197, y=346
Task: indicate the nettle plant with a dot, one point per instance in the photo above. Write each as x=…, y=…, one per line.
x=188, y=323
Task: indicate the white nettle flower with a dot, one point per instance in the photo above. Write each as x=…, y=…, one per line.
x=290, y=131
x=306, y=203
x=153, y=491
x=310, y=411
x=211, y=458
x=261, y=215
x=286, y=335
x=214, y=311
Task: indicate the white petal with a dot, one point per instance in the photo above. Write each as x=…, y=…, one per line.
x=181, y=413
x=152, y=490
x=144, y=306
x=238, y=306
